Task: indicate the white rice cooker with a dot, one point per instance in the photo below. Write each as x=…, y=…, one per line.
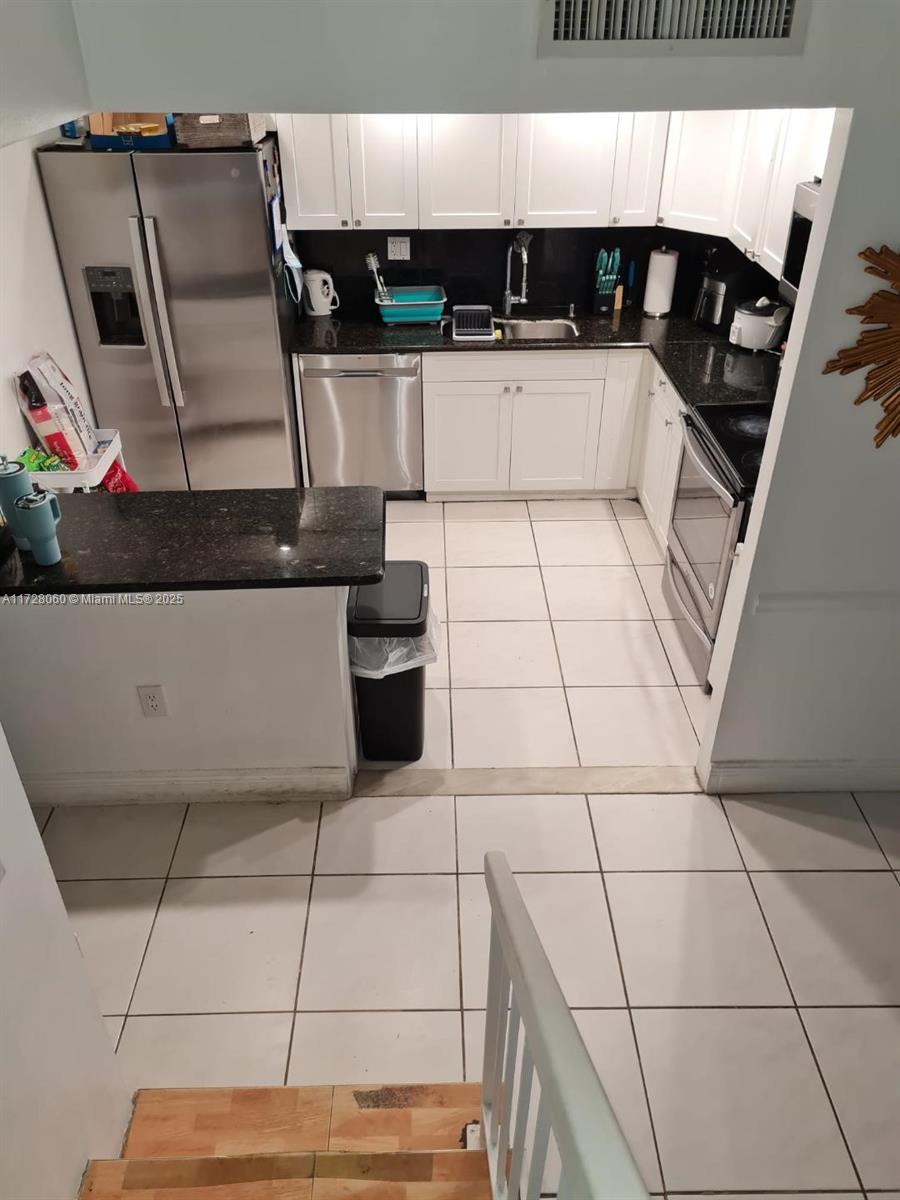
x=759, y=324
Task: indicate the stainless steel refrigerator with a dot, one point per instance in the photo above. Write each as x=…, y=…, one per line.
x=168, y=262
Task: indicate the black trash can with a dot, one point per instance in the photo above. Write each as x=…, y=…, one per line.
x=391, y=711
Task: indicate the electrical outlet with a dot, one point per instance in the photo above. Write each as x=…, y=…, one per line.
x=153, y=700
x=398, y=249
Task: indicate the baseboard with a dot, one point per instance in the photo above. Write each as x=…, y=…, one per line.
x=523, y=781
x=140, y=787
x=840, y=775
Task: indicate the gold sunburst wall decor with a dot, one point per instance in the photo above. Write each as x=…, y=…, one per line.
x=879, y=348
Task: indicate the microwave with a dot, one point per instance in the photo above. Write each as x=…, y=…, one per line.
x=806, y=197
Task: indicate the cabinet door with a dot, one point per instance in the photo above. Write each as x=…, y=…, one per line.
x=801, y=155
x=700, y=172
x=315, y=167
x=554, y=435
x=659, y=467
x=637, y=178
x=754, y=178
x=467, y=170
x=383, y=171
x=565, y=168
x=467, y=436
x=620, y=403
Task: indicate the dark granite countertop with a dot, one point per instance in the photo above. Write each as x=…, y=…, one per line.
x=180, y=541
x=703, y=366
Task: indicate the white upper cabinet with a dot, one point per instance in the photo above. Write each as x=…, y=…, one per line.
x=800, y=156
x=315, y=169
x=467, y=170
x=700, y=174
x=637, y=178
x=383, y=171
x=763, y=133
x=564, y=169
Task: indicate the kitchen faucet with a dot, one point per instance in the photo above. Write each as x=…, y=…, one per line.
x=520, y=245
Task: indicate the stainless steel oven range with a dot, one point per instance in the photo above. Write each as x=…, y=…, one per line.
x=721, y=451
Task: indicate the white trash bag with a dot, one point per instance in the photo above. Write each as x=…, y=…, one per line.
x=375, y=658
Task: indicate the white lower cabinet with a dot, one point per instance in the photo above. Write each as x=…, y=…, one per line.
x=467, y=429
x=620, y=408
x=658, y=471
x=551, y=422
x=555, y=427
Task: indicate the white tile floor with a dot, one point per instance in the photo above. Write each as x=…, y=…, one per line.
x=559, y=647
x=734, y=969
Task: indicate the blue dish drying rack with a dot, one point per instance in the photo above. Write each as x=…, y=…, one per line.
x=423, y=305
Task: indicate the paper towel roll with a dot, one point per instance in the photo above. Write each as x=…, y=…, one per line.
x=660, y=283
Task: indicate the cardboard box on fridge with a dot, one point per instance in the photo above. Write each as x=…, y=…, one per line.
x=130, y=131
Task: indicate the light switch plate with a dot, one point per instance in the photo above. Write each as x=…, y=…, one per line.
x=398, y=248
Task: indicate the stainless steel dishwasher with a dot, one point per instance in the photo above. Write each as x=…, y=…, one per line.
x=361, y=420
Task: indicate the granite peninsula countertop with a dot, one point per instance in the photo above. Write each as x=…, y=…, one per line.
x=180, y=541
x=703, y=366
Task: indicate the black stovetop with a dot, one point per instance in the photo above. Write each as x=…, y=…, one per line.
x=738, y=432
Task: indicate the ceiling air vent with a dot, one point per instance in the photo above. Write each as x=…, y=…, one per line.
x=678, y=27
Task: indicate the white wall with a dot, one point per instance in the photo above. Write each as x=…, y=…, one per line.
x=443, y=56
x=256, y=683
x=34, y=308
x=42, y=80
x=61, y=1098
x=813, y=691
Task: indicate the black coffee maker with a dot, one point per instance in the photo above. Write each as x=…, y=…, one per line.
x=721, y=288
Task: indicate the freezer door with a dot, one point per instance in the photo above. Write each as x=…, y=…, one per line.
x=94, y=211
x=207, y=232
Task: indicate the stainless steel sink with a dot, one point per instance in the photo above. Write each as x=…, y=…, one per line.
x=559, y=330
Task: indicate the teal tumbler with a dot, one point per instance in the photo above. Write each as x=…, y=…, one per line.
x=14, y=482
x=38, y=517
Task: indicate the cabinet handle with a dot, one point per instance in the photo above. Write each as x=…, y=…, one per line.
x=669, y=422
x=616, y=220
x=519, y=388
x=507, y=390
x=506, y=221
x=357, y=222
x=521, y=221
x=344, y=224
x=660, y=220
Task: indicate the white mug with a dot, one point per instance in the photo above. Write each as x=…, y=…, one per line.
x=319, y=297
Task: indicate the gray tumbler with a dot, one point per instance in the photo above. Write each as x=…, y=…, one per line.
x=38, y=517
x=14, y=482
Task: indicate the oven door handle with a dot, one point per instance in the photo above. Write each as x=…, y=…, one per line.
x=670, y=574
x=691, y=449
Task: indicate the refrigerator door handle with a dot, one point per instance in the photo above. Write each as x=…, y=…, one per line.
x=164, y=327
x=147, y=311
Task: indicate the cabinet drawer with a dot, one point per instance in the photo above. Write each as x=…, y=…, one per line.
x=510, y=365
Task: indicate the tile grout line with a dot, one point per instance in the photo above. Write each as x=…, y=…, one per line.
x=462, y=1018
x=162, y=892
x=793, y=996
x=562, y=681
x=309, y=901
x=862, y=813
x=634, y=1037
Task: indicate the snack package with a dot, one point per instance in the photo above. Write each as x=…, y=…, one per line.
x=51, y=378
x=50, y=420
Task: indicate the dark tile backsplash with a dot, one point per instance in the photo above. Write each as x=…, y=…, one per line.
x=471, y=264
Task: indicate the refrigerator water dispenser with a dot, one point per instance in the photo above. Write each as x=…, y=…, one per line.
x=111, y=290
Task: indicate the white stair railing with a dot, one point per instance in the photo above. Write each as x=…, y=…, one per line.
x=525, y=1002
